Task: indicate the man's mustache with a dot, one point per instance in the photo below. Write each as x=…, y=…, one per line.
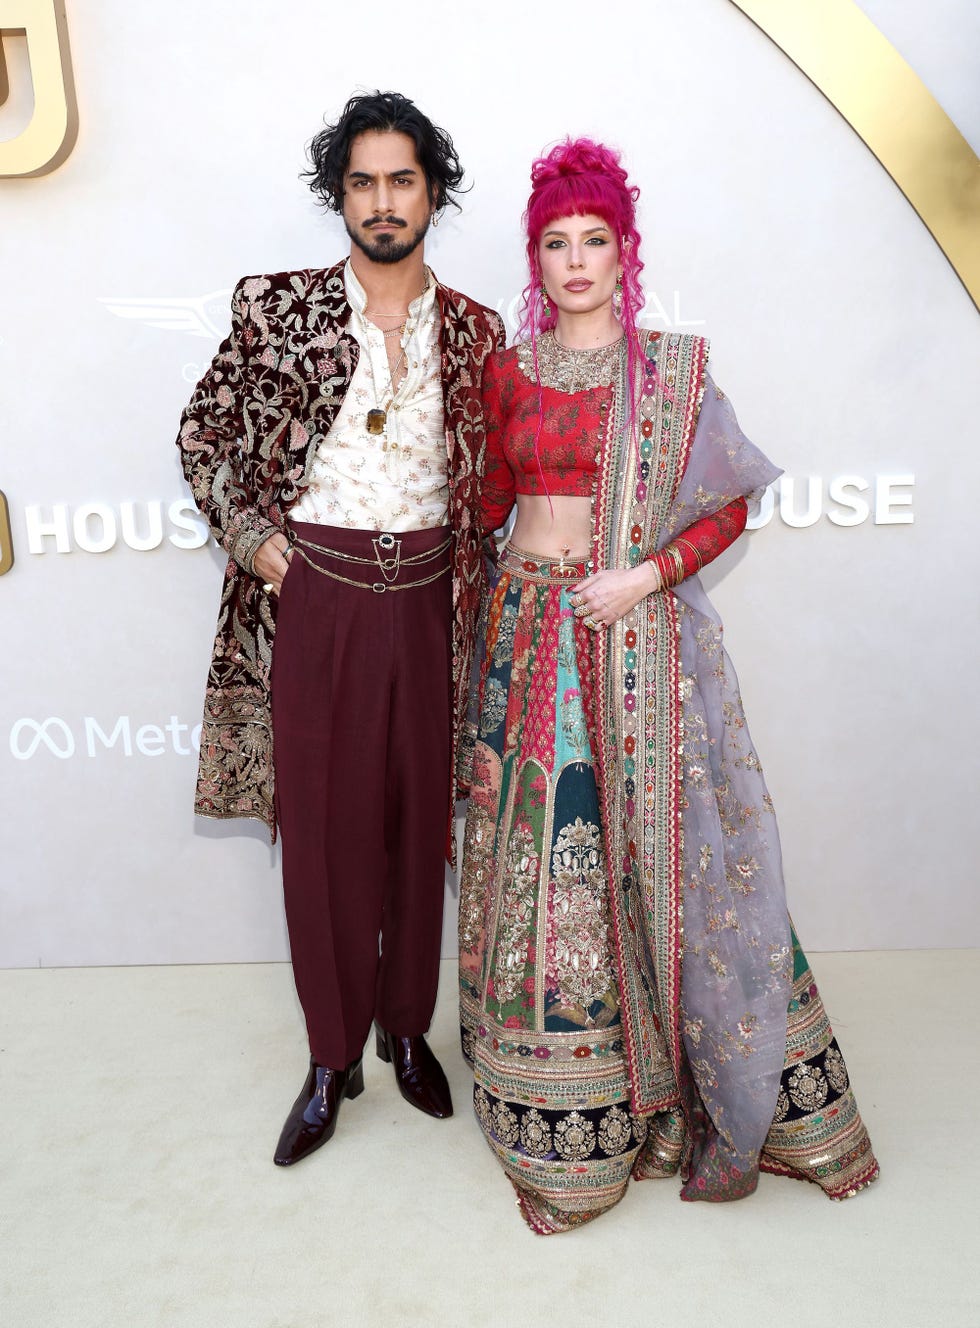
x=384, y=221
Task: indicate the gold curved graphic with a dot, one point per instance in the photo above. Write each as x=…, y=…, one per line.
x=890, y=108
x=50, y=133
x=4, y=80
x=6, y=538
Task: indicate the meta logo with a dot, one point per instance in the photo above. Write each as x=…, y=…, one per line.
x=49, y=135
x=55, y=737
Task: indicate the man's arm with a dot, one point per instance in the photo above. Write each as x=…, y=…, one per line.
x=212, y=432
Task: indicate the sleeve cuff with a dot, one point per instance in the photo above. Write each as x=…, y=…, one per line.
x=247, y=533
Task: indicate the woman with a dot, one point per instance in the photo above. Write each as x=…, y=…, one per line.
x=627, y=962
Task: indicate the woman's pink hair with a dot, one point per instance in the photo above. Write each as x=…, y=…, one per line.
x=580, y=178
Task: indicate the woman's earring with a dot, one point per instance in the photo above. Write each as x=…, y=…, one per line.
x=617, y=299
x=545, y=306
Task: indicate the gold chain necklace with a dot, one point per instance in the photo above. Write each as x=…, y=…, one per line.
x=377, y=418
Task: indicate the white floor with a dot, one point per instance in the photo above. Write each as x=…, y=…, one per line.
x=139, y=1109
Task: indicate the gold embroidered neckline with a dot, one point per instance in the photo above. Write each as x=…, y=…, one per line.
x=569, y=370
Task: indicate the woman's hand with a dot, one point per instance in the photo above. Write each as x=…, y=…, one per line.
x=606, y=597
x=271, y=562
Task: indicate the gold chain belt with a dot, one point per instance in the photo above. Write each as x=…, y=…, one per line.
x=389, y=565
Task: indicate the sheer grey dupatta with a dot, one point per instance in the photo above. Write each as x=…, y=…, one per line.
x=737, y=953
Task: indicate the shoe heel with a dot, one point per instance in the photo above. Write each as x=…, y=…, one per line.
x=381, y=1047
x=355, y=1082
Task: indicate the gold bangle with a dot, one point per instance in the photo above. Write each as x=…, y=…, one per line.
x=695, y=551
x=679, y=559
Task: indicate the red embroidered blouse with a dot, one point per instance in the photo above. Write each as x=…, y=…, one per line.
x=562, y=460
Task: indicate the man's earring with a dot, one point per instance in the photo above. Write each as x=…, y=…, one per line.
x=435, y=220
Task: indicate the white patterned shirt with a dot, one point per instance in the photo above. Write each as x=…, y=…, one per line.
x=398, y=479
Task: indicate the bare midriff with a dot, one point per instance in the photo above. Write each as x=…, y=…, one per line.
x=561, y=528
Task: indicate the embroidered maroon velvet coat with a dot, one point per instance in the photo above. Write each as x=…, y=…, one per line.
x=248, y=439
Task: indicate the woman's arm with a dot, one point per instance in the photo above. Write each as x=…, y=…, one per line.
x=700, y=544
x=607, y=596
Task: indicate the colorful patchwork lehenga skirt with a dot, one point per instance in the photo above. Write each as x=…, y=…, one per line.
x=542, y=964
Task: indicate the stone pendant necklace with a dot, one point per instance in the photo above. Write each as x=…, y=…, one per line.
x=377, y=416
x=376, y=420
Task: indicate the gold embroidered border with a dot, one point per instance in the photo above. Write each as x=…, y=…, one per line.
x=641, y=706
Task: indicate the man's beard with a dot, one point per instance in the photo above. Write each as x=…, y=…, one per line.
x=387, y=247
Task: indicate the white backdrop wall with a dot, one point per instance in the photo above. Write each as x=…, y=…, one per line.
x=844, y=338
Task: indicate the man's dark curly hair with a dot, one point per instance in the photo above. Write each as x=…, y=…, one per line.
x=329, y=152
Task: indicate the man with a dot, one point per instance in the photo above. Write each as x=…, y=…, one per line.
x=336, y=446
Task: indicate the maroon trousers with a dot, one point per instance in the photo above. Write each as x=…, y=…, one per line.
x=361, y=687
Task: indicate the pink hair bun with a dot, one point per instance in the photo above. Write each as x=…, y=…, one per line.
x=580, y=156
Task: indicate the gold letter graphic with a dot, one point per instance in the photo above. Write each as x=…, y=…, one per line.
x=50, y=135
x=6, y=539
x=887, y=104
